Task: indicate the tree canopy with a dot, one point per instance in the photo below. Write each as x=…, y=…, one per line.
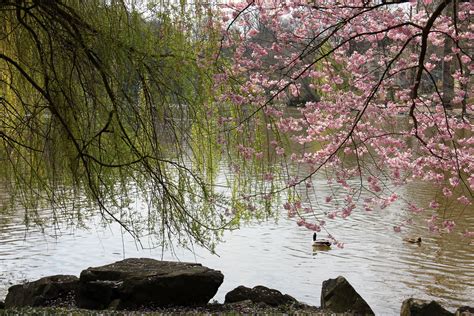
x=105, y=103
x=394, y=105
x=101, y=104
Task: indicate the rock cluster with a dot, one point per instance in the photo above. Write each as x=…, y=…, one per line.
x=128, y=284
x=144, y=284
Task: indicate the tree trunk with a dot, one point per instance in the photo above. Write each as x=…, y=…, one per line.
x=448, y=67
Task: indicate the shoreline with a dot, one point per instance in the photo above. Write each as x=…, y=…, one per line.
x=144, y=286
x=245, y=307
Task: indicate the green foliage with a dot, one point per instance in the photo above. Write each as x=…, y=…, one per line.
x=100, y=103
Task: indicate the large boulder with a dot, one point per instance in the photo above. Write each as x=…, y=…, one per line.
x=136, y=283
x=339, y=296
x=259, y=294
x=416, y=307
x=47, y=291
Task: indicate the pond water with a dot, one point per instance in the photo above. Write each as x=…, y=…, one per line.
x=276, y=253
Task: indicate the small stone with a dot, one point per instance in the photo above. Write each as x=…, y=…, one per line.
x=465, y=311
x=259, y=294
x=417, y=307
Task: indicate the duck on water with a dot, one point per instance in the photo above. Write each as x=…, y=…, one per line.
x=321, y=243
x=413, y=240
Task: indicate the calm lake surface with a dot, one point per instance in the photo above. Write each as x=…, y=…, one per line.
x=277, y=253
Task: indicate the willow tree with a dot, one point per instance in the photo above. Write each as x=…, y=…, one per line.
x=99, y=103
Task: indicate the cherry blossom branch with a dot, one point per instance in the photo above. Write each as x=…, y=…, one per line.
x=250, y=3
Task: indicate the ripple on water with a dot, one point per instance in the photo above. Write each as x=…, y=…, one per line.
x=383, y=269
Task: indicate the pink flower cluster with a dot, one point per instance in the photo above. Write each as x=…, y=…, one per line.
x=379, y=116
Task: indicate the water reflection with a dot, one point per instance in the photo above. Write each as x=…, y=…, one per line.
x=383, y=269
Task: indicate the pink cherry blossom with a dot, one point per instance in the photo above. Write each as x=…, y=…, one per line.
x=468, y=234
x=434, y=205
x=352, y=132
x=449, y=225
x=464, y=200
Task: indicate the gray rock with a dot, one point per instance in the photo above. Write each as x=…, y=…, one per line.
x=47, y=291
x=339, y=296
x=465, y=311
x=416, y=307
x=259, y=294
x=135, y=283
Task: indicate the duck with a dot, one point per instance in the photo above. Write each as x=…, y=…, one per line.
x=321, y=244
x=413, y=240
